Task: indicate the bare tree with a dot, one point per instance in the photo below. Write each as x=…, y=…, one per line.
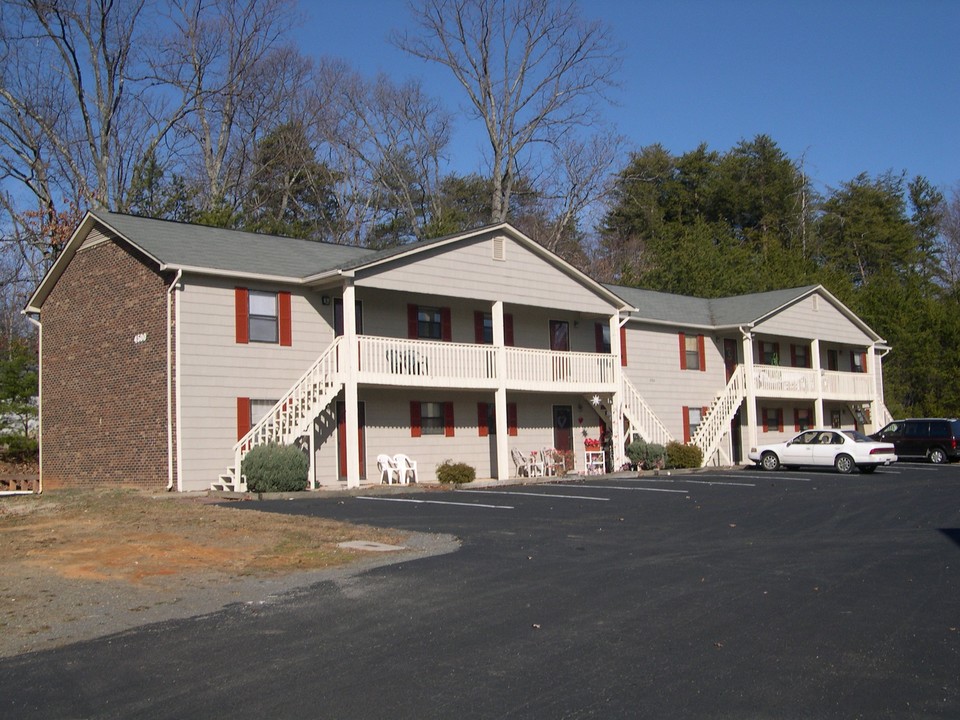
x=950, y=239
x=533, y=71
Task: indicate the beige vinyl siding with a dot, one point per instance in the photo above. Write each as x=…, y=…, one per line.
x=814, y=317
x=94, y=237
x=215, y=369
x=653, y=355
x=469, y=271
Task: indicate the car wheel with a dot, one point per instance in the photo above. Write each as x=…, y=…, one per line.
x=770, y=461
x=867, y=469
x=937, y=455
x=843, y=464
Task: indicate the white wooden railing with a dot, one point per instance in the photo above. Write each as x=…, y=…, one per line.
x=291, y=416
x=641, y=418
x=396, y=361
x=777, y=381
x=717, y=422
x=529, y=369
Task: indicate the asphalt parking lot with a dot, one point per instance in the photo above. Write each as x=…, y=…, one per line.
x=723, y=594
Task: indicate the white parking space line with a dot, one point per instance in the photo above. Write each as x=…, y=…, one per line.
x=716, y=482
x=643, y=489
x=778, y=476
x=539, y=495
x=435, y=502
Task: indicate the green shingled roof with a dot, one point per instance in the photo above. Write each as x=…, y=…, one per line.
x=702, y=312
x=197, y=246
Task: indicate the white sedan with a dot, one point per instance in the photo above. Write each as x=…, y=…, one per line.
x=843, y=449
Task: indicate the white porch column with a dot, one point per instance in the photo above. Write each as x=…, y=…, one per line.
x=351, y=399
x=500, y=395
x=873, y=367
x=818, y=419
x=616, y=406
x=751, y=387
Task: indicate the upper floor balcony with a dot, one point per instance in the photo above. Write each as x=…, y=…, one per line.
x=804, y=383
x=400, y=362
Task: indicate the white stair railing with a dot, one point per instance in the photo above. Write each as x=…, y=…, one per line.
x=290, y=418
x=642, y=419
x=715, y=425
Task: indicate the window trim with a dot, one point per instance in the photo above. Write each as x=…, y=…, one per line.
x=284, y=317
x=701, y=352
x=416, y=418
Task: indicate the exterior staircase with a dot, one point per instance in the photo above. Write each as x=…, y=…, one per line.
x=641, y=419
x=291, y=417
x=716, y=423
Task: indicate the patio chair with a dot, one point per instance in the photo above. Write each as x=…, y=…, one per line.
x=406, y=468
x=522, y=463
x=388, y=469
x=550, y=464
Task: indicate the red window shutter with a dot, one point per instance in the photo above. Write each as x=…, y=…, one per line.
x=478, y=327
x=446, y=331
x=512, y=419
x=448, y=426
x=702, y=352
x=780, y=419
x=482, y=429
x=686, y=424
x=244, y=422
x=766, y=425
x=242, y=302
x=413, y=331
x=793, y=355
x=623, y=346
x=508, y=330
x=284, y=317
x=683, y=351
x=598, y=336
x=415, y=430
x=796, y=418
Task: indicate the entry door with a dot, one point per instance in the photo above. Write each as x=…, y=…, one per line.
x=342, y=439
x=730, y=356
x=560, y=342
x=563, y=428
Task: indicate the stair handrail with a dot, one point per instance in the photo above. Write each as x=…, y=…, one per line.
x=640, y=414
x=285, y=419
x=712, y=427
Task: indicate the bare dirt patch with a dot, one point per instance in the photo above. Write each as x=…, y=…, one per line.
x=76, y=564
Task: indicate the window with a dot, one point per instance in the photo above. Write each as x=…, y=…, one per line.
x=772, y=419
x=250, y=412
x=483, y=328
x=487, y=419
x=263, y=317
x=800, y=356
x=428, y=323
x=692, y=352
x=692, y=417
x=602, y=331
x=431, y=418
x=858, y=362
x=769, y=353
x=802, y=419
x=559, y=335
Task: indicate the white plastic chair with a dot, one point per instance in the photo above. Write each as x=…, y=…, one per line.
x=550, y=465
x=522, y=463
x=388, y=469
x=406, y=468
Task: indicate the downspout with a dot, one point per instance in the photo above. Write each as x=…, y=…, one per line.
x=170, y=290
x=39, y=327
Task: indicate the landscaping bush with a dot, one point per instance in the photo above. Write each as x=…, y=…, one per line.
x=276, y=468
x=646, y=455
x=456, y=473
x=683, y=456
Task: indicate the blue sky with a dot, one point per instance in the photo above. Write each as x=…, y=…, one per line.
x=852, y=86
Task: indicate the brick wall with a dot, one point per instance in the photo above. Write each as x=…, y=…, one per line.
x=104, y=373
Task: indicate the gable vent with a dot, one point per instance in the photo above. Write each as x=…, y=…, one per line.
x=816, y=303
x=499, y=248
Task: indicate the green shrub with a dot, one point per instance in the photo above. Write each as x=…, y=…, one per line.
x=683, y=456
x=456, y=473
x=276, y=468
x=19, y=449
x=646, y=455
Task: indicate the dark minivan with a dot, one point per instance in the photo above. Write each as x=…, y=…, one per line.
x=937, y=439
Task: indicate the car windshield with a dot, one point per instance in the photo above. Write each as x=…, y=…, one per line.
x=857, y=436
